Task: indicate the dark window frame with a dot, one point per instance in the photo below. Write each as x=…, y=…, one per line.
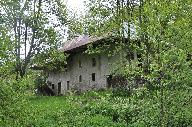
x=93, y=77
x=80, y=78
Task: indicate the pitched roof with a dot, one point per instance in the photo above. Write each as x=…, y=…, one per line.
x=80, y=41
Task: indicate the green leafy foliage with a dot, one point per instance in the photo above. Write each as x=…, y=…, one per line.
x=51, y=60
x=13, y=101
x=100, y=108
x=163, y=34
x=164, y=47
x=31, y=29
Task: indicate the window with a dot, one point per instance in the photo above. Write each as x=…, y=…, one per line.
x=93, y=76
x=93, y=62
x=67, y=85
x=80, y=65
x=53, y=86
x=80, y=78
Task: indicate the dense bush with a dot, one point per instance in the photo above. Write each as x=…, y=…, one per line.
x=13, y=93
x=102, y=109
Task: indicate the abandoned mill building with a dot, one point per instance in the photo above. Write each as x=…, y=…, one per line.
x=83, y=71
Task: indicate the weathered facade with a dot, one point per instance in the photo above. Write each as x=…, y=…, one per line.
x=84, y=71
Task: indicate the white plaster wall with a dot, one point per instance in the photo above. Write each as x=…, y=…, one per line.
x=102, y=69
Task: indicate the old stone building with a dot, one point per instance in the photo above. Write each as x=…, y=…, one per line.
x=83, y=71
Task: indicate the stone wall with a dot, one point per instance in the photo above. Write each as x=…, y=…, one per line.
x=74, y=71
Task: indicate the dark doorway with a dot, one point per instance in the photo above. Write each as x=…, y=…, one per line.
x=59, y=88
x=109, y=81
x=53, y=86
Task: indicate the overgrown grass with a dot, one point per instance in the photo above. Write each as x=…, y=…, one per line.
x=84, y=110
x=102, y=108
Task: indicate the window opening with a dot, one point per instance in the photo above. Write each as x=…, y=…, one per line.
x=80, y=78
x=93, y=76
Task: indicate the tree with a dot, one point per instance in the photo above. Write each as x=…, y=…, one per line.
x=164, y=48
x=29, y=22
x=24, y=25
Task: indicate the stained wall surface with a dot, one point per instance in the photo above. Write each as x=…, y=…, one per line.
x=79, y=74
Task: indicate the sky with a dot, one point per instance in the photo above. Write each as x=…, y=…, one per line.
x=76, y=5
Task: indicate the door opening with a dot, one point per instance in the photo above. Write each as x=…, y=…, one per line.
x=59, y=88
x=67, y=85
x=109, y=81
